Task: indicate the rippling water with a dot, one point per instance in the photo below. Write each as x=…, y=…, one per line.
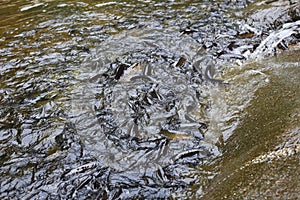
x=105, y=99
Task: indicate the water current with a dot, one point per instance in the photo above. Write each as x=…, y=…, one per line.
x=138, y=99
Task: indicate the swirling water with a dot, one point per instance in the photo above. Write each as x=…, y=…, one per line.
x=111, y=99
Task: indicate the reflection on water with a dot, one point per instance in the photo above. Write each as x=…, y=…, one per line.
x=106, y=99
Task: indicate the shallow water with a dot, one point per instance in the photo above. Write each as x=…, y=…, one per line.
x=261, y=156
x=115, y=100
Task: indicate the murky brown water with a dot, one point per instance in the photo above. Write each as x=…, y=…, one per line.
x=126, y=100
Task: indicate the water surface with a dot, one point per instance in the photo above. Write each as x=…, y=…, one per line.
x=143, y=99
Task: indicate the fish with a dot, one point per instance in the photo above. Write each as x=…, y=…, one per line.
x=173, y=135
x=125, y=72
x=181, y=62
x=201, y=153
x=80, y=169
x=209, y=74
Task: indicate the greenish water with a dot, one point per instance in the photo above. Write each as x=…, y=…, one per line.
x=260, y=158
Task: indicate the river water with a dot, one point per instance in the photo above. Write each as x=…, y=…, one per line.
x=149, y=99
